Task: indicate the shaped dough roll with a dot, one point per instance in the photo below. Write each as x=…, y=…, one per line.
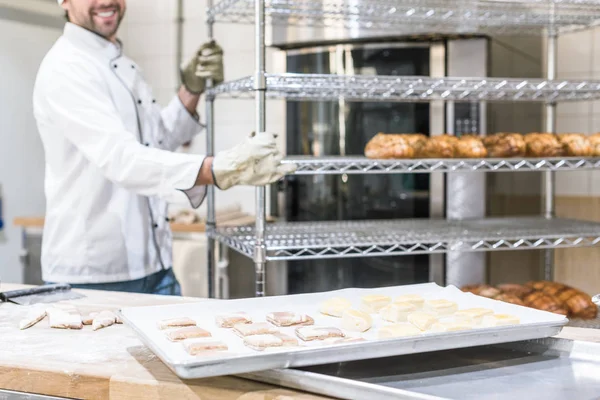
x=309, y=333
x=422, y=320
x=188, y=332
x=34, y=315
x=289, y=318
x=257, y=328
x=196, y=347
x=229, y=320
x=397, y=312
x=414, y=299
x=175, y=323
x=60, y=319
x=472, y=315
x=500, y=320
x=356, y=321
x=335, y=306
x=398, y=330
x=373, y=303
x=441, y=307
x=450, y=326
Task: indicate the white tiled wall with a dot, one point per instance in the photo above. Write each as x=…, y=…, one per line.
x=149, y=33
x=578, y=58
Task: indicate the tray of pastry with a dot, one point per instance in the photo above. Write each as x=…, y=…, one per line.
x=223, y=337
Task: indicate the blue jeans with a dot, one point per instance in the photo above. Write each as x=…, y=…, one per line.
x=162, y=282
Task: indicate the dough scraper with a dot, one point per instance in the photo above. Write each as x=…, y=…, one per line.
x=40, y=294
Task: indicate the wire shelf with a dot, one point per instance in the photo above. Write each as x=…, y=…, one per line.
x=351, y=239
x=440, y=16
x=316, y=87
x=362, y=165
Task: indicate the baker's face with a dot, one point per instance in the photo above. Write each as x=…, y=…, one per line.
x=100, y=16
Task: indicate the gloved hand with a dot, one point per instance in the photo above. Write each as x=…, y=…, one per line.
x=207, y=63
x=254, y=162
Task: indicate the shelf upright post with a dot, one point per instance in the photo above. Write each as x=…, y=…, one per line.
x=210, y=192
x=548, y=186
x=260, y=87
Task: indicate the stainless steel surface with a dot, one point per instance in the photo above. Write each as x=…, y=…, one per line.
x=552, y=369
x=357, y=351
x=362, y=165
x=418, y=16
x=261, y=192
x=549, y=178
x=345, y=239
x=410, y=88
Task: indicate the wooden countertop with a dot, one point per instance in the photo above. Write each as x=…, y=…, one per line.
x=107, y=364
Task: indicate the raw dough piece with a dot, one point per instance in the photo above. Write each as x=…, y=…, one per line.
x=373, y=303
x=472, y=315
x=195, y=347
x=103, y=319
x=262, y=342
x=441, y=306
x=422, y=320
x=335, y=306
x=308, y=333
x=414, y=299
x=34, y=315
x=288, y=318
x=450, y=326
x=229, y=320
x=356, y=321
x=175, y=323
x=256, y=328
x=89, y=319
x=398, y=330
x=60, y=319
x=500, y=320
x=397, y=312
x=189, y=332
x=288, y=340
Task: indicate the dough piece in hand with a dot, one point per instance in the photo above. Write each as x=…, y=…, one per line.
x=257, y=328
x=89, y=319
x=500, y=320
x=397, y=312
x=262, y=342
x=335, y=306
x=308, y=333
x=422, y=320
x=398, y=330
x=413, y=299
x=373, y=303
x=450, y=326
x=441, y=306
x=229, y=320
x=175, y=323
x=289, y=318
x=60, y=319
x=472, y=315
x=103, y=319
x=189, y=332
x=356, y=321
x=196, y=347
x=34, y=315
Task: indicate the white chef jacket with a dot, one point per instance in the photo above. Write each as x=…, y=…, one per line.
x=110, y=165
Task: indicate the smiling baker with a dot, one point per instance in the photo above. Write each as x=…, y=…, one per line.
x=110, y=165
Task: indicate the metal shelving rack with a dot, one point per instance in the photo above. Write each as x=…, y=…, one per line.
x=294, y=241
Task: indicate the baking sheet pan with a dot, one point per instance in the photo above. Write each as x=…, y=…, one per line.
x=549, y=369
x=240, y=359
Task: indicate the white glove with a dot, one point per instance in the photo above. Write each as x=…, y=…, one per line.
x=254, y=162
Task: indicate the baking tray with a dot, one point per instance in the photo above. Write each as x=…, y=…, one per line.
x=549, y=369
x=240, y=359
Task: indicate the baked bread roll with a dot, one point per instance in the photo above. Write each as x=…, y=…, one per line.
x=545, y=302
x=415, y=140
x=389, y=146
x=578, y=303
x=469, y=146
x=543, y=145
x=438, y=147
x=510, y=298
x=515, y=289
x=595, y=143
x=505, y=145
x=482, y=290
x=575, y=145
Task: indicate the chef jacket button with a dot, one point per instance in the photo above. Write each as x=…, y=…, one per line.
x=155, y=226
x=139, y=101
x=160, y=142
x=115, y=65
x=153, y=100
x=146, y=144
x=132, y=66
x=167, y=219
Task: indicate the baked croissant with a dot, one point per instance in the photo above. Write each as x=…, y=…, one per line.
x=438, y=147
x=388, y=146
x=545, y=302
x=517, y=290
x=469, y=146
x=595, y=143
x=543, y=145
x=503, y=145
x=575, y=145
x=578, y=303
x=509, y=298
